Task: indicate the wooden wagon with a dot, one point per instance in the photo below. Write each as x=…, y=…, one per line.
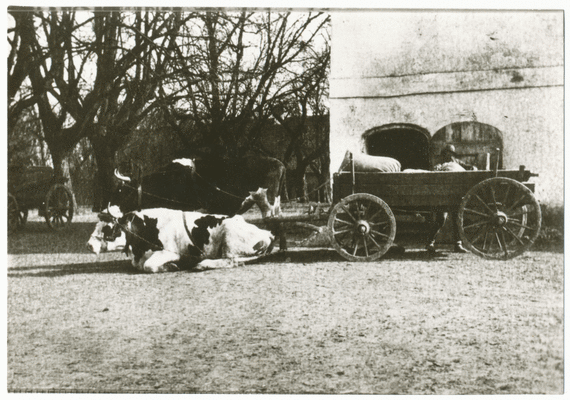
x=38, y=188
x=498, y=215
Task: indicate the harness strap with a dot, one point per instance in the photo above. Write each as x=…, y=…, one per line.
x=127, y=230
x=186, y=228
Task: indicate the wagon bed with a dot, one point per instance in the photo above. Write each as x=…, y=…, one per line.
x=417, y=190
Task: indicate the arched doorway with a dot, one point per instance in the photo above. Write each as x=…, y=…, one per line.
x=476, y=143
x=407, y=143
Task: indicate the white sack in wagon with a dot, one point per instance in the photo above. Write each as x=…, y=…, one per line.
x=449, y=166
x=368, y=163
x=412, y=170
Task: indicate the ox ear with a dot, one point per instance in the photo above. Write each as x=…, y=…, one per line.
x=121, y=177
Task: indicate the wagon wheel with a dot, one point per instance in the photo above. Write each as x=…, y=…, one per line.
x=23, y=217
x=13, y=214
x=362, y=227
x=499, y=218
x=59, y=207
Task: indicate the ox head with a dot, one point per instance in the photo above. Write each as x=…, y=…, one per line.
x=259, y=197
x=107, y=235
x=124, y=197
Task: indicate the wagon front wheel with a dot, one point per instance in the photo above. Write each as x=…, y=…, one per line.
x=59, y=207
x=499, y=218
x=362, y=227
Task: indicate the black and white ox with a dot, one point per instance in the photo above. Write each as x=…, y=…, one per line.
x=213, y=185
x=160, y=239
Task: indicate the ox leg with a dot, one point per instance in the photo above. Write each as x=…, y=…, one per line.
x=161, y=261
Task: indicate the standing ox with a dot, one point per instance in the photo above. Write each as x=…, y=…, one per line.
x=210, y=185
x=160, y=239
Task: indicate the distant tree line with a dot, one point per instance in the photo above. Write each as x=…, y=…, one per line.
x=91, y=89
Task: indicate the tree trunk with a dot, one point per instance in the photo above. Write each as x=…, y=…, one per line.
x=61, y=170
x=104, y=181
x=297, y=184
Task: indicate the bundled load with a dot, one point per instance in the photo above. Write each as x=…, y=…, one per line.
x=367, y=163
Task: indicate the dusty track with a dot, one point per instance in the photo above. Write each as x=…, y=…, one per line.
x=304, y=321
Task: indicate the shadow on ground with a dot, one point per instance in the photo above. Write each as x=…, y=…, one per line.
x=50, y=271
x=38, y=238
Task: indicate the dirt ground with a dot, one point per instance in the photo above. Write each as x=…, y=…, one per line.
x=301, y=321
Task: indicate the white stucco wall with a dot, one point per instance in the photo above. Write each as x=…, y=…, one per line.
x=504, y=69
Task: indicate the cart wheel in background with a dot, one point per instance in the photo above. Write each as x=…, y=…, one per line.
x=23, y=217
x=499, y=218
x=362, y=227
x=13, y=214
x=59, y=207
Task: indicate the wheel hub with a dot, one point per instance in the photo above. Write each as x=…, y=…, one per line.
x=362, y=227
x=500, y=218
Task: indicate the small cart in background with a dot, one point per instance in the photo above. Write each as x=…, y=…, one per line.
x=38, y=188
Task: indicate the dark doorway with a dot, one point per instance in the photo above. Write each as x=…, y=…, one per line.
x=407, y=143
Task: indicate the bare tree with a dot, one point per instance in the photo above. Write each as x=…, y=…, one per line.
x=216, y=77
x=91, y=74
x=234, y=68
x=133, y=54
x=303, y=114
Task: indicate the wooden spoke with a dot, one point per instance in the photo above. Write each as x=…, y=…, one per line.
x=374, y=241
x=493, y=197
x=365, y=246
x=485, y=241
x=516, y=203
x=532, y=228
x=484, y=204
x=513, y=235
x=379, y=234
x=481, y=233
x=349, y=213
x=343, y=231
x=502, y=243
x=342, y=221
x=380, y=224
x=355, y=248
x=470, y=211
x=476, y=224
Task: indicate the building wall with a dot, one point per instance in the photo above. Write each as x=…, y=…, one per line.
x=432, y=68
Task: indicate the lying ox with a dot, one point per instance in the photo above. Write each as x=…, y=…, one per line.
x=160, y=239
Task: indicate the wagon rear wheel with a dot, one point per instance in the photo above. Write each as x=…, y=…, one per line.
x=362, y=227
x=499, y=218
x=13, y=214
x=59, y=207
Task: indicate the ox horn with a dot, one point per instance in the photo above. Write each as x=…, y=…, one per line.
x=121, y=177
x=106, y=217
